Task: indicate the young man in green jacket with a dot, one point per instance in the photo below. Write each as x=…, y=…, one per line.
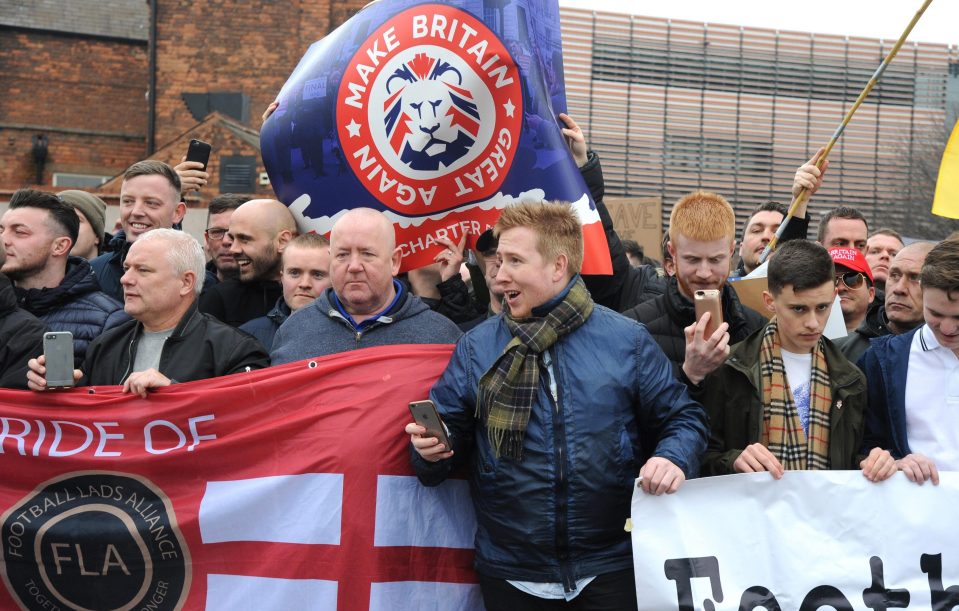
x=786, y=398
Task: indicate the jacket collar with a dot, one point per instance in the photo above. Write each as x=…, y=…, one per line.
x=187, y=323
x=280, y=311
x=399, y=300
x=79, y=279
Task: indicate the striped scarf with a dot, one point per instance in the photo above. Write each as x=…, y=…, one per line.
x=507, y=391
x=782, y=430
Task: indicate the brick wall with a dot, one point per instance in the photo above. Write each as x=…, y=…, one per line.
x=216, y=47
x=87, y=95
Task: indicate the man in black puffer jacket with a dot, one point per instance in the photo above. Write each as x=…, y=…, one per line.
x=21, y=337
x=76, y=305
x=39, y=230
x=701, y=240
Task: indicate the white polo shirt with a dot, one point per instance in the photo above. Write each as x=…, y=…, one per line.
x=932, y=400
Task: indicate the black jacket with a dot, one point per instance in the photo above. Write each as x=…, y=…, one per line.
x=76, y=305
x=455, y=301
x=667, y=315
x=627, y=286
x=876, y=324
x=235, y=302
x=201, y=347
x=21, y=338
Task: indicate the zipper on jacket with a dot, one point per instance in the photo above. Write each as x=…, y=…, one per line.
x=129, y=359
x=562, y=485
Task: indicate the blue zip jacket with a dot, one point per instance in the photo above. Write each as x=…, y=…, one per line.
x=886, y=364
x=558, y=514
x=264, y=328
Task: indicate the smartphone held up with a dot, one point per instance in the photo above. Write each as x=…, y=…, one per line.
x=199, y=151
x=58, y=355
x=709, y=301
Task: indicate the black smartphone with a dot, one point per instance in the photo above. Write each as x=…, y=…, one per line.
x=425, y=415
x=58, y=353
x=199, y=151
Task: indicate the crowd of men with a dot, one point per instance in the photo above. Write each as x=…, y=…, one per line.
x=555, y=397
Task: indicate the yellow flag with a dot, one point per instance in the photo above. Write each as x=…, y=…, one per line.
x=946, y=202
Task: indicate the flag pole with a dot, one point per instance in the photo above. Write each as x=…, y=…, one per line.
x=803, y=194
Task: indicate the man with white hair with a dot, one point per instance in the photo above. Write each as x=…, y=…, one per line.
x=168, y=340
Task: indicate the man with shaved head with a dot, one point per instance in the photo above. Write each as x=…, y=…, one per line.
x=902, y=311
x=259, y=231
x=365, y=306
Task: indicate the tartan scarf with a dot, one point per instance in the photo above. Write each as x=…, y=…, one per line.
x=782, y=430
x=508, y=389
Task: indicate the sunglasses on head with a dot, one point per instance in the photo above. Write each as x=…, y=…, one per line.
x=852, y=280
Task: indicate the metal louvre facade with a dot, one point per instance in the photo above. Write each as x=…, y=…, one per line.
x=672, y=106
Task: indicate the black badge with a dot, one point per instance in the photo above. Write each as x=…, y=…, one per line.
x=95, y=540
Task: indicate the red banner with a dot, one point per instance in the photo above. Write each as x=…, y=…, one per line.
x=283, y=488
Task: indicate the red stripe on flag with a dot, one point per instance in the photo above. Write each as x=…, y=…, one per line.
x=344, y=415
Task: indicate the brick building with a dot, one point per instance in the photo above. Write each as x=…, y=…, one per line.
x=76, y=78
x=73, y=77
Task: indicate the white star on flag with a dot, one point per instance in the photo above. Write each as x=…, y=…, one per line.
x=509, y=108
x=354, y=128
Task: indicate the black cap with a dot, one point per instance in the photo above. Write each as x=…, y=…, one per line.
x=486, y=241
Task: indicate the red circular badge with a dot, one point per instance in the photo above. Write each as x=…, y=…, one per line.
x=429, y=111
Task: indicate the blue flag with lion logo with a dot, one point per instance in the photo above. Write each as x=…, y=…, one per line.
x=438, y=114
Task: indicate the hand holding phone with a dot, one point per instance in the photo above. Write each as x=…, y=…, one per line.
x=425, y=415
x=58, y=357
x=199, y=151
x=709, y=301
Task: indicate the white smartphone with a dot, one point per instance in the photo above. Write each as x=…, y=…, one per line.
x=58, y=352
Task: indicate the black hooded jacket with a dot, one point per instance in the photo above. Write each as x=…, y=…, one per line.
x=21, y=338
x=667, y=315
x=76, y=305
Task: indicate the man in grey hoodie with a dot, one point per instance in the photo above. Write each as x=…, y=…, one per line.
x=366, y=306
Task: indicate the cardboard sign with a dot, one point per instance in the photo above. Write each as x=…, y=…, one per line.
x=639, y=219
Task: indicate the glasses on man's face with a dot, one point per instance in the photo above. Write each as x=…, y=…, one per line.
x=215, y=234
x=852, y=280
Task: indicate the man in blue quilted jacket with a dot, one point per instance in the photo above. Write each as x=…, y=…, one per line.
x=39, y=231
x=547, y=404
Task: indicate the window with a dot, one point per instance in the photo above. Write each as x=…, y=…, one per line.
x=79, y=181
x=238, y=174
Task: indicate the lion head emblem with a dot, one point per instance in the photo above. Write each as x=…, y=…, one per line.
x=431, y=119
